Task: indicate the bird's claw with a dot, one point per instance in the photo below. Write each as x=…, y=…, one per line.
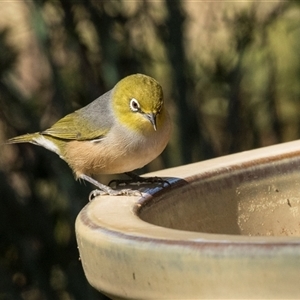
x=93, y=194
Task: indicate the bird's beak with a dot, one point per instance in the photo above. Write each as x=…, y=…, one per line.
x=152, y=118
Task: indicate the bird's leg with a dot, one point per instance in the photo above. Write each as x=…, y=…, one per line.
x=138, y=180
x=106, y=190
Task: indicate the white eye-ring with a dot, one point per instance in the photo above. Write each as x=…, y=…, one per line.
x=134, y=105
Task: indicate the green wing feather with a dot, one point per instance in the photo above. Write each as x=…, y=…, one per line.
x=76, y=127
x=91, y=122
x=88, y=123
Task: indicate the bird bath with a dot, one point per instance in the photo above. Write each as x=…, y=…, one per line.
x=226, y=228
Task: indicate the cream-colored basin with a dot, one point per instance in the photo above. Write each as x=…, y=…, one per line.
x=225, y=228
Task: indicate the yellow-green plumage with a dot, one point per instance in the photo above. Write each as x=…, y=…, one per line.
x=120, y=131
x=26, y=138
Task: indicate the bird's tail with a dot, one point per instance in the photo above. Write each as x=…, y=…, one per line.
x=38, y=139
x=25, y=138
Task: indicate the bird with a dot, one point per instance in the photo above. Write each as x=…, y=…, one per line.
x=119, y=132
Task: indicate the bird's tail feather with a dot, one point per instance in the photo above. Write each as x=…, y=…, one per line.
x=38, y=139
x=25, y=138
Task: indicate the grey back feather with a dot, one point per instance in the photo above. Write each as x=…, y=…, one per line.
x=99, y=112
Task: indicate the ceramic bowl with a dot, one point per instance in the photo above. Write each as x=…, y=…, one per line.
x=223, y=228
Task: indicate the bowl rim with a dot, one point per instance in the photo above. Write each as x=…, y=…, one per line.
x=118, y=217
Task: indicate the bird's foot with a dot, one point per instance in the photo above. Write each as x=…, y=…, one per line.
x=106, y=190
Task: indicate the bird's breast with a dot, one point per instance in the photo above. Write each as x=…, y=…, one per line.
x=122, y=150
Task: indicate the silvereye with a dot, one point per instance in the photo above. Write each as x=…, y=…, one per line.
x=120, y=131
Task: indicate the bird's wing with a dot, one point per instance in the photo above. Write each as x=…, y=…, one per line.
x=91, y=122
x=76, y=127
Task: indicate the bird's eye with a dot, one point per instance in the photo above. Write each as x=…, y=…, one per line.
x=134, y=105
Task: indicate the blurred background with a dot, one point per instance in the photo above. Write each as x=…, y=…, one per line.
x=230, y=73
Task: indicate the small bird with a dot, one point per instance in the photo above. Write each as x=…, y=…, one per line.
x=122, y=130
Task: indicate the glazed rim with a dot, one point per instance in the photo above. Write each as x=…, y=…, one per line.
x=123, y=219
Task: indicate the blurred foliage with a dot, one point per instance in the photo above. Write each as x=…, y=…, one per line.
x=230, y=73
